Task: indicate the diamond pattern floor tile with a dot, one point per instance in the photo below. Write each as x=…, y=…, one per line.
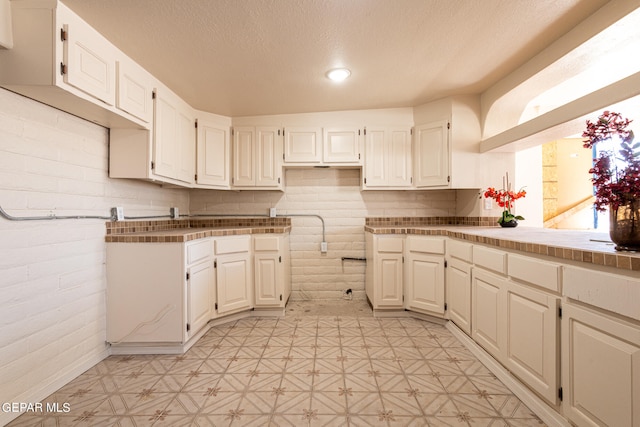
x=324, y=364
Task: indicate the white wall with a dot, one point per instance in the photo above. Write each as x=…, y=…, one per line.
x=529, y=176
x=52, y=273
x=335, y=195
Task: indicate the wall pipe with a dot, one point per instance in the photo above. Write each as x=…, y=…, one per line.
x=5, y=215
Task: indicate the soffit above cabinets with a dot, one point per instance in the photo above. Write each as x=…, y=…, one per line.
x=244, y=57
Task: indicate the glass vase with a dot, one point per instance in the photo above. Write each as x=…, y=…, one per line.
x=624, y=226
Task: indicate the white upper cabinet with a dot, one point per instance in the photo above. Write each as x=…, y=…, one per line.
x=257, y=157
x=387, y=158
x=303, y=145
x=60, y=60
x=213, y=155
x=174, y=137
x=342, y=146
x=431, y=155
x=89, y=60
x=318, y=146
x=135, y=90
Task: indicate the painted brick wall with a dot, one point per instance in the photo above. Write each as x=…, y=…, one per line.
x=52, y=273
x=335, y=195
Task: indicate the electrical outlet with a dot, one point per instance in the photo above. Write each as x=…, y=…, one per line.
x=175, y=213
x=272, y=212
x=117, y=213
x=488, y=204
x=323, y=247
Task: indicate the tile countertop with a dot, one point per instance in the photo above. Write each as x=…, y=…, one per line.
x=184, y=230
x=188, y=234
x=576, y=245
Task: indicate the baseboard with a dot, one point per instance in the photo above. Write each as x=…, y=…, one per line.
x=538, y=406
x=35, y=395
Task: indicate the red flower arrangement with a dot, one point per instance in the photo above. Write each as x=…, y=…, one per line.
x=505, y=198
x=616, y=177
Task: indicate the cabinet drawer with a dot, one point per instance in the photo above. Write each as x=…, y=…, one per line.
x=460, y=250
x=490, y=259
x=233, y=245
x=430, y=245
x=266, y=243
x=535, y=271
x=390, y=244
x=199, y=250
x=612, y=292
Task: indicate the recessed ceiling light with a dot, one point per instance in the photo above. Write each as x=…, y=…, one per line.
x=338, y=74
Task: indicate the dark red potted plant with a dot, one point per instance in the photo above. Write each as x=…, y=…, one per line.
x=616, y=176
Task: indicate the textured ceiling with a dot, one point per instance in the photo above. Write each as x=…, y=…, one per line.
x=256, y=57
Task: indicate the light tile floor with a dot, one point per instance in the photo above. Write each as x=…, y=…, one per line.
x=324, y=364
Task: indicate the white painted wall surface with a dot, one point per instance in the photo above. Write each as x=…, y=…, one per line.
x=52, y=273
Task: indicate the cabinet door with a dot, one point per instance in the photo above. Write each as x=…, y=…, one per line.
x=459, y=294
x=387, y=158
x=376, y=170
x=268, y=277
x=135, y=90
x=302, y=145
x=268, y=157
x=600, y=369
x=431, y=155
x=213, y=155
x=389, y=280
x=234, y=282
x=488, y=311
x=425, y=282
x=174, y=138
x=532, y=345
x=244, y=156
x=399, y=160
x=342, y=145
x=198, y=296
x=90, y=62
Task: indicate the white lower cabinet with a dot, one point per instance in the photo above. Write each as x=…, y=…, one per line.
x=458, y=286
x=488, y=308
x=519, y=326
x=200, y=294
x=161, y=296
x=532, y=345
x=458, y=283
x=271, y=271
x=424, y=274
x=158, y=294
x=384, y=271
x=600, y=368
x=234, y=273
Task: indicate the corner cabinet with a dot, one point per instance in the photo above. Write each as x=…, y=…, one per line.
x=234, y=274
x=213, y=155
x=159, y=295
x=257, y=158
x=431, y=155
x=174, y=137
x=384, y=271
x=424, y=274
